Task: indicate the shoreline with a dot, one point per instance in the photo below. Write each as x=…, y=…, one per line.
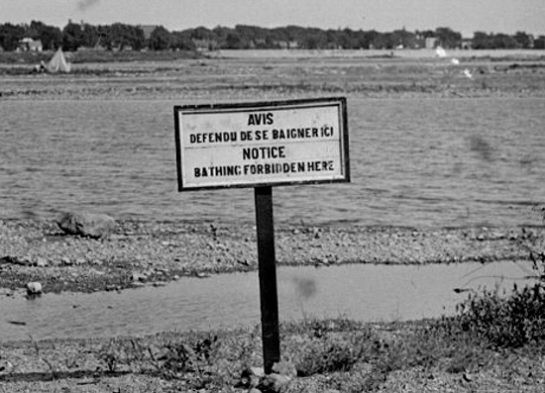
x=142, y=253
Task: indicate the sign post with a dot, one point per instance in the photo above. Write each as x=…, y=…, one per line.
x=267, y=276
x=262, y=145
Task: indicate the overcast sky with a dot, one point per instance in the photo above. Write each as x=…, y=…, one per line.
x=465, y=16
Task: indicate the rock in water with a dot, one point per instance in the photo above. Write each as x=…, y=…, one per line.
x=87, y=224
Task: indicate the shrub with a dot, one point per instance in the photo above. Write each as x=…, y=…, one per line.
x=515, y=320
x=506, y=321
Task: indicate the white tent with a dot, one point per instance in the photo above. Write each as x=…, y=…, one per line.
x=440, y=52
x=58, y=63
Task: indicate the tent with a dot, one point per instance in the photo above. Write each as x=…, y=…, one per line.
x=58, y=63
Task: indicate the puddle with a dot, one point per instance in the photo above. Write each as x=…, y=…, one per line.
x=369, y=293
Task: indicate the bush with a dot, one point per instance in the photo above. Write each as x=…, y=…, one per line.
x=507, y=321
x=515, y=320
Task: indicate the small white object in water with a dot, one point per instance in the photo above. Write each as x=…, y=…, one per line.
x=455, y=61
x=468, y=73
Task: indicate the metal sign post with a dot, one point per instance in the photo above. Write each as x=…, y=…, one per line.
x=262, y=145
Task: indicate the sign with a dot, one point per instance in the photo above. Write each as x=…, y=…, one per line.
x=264, y=143
x=261, y=145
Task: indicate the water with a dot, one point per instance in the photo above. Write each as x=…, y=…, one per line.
x=415, y=162
x=361, y=292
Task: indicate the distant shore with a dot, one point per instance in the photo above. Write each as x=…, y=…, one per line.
x=280, y=74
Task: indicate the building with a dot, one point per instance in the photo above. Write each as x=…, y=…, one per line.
x=29, y=45
x=430, y=43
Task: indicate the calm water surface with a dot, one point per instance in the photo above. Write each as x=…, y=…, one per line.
x=371, y=293
x=414, y=162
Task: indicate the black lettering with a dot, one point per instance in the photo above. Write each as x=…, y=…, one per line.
x=253, y=120
x=255, y=153
x=257, y=119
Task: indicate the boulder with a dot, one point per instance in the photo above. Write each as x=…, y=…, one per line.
x=86, y=224
x=34, y=288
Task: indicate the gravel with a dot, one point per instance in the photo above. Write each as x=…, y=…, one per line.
x=149, y=252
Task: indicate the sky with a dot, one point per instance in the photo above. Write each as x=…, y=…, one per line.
x=465, y=16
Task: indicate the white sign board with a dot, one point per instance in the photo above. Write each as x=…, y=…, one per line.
x=264, y=143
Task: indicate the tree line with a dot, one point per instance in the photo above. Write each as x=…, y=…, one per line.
x=119, y=36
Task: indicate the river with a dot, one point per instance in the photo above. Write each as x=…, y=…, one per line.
x=422, y=162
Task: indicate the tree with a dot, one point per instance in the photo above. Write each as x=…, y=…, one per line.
x=160, y=39
x=50, y=36
x=448, y=38
x=539, y=42
x=482, y=40
x=233, y=40
x=523, y=40
x=136, y=37
x=72, y=37
x=314, y=39
x=181, y=40
x=10, y=35
x=503, y=41
x=377, y=40
x=403, y=38
x=91, y=36
x=126, y=36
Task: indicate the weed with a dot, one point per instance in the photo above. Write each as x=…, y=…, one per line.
x=325, y=350
x=515, y=320
x=111, y=353
x=506, y=322
x=179, y=357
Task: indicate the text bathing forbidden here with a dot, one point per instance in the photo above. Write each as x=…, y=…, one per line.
x=264, y=169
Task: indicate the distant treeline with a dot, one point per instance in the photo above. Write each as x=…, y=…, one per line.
x=121, y=36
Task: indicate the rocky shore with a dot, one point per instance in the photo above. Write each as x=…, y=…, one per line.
x=142, y=253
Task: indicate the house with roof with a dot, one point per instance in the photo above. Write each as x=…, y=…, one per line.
x=28, y=44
